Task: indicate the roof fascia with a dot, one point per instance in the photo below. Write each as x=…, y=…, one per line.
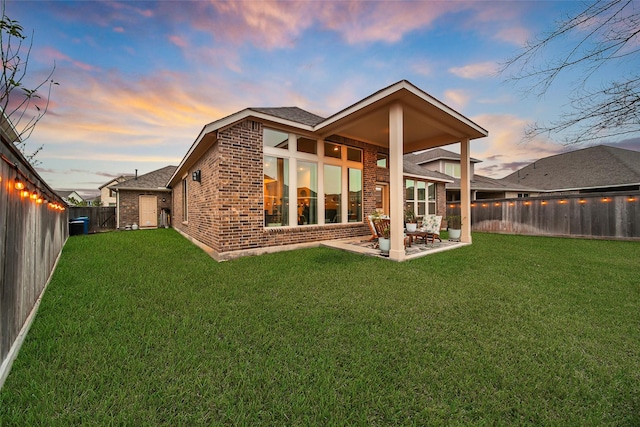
x=427, y=178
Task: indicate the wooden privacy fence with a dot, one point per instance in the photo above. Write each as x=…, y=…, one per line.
x=596, y=215
x=33, y=230
x=100, y=218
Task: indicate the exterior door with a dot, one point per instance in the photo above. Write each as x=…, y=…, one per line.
x=148, y=211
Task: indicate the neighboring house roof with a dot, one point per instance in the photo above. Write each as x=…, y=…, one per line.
x=155, y=180
x=427, y=122
x=65, y=194
x=294, y=114
x=436, y=154
x=484, y=183
x=117, y=180
x=601, y=166
x=412, y=169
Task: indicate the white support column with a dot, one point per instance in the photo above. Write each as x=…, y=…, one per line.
x=465, y=190
x=321, y=206
x=396, y=190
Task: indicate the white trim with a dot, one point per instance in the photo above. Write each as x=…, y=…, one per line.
x=428, y=178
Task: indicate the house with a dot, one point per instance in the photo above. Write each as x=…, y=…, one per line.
x=482, y=187
x=265, y=178
x=70, y=197
x=600, y=168
x=108, y=195
x=144, y=200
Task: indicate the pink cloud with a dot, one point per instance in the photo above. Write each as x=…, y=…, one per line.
x=55, y=55
x=179, y=41
x=476, y=71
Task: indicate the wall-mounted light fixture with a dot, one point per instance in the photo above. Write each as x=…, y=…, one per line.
x=195, y=176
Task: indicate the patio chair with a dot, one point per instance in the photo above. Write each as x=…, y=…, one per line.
x=431, y=228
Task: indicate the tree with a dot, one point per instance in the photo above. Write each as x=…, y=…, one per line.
x=22, y=106
x=604, y=102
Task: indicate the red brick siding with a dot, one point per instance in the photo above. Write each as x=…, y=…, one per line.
x=226, y=210
x=129, y=206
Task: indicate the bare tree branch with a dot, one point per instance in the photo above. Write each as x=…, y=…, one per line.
x=22, y=105
x=605, y=33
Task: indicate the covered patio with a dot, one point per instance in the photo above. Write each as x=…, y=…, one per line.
x=405, y=119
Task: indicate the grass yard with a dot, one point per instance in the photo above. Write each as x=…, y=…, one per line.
x=143, y=328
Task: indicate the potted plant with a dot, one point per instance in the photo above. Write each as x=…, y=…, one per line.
x=410, y=220
x=454, y=224
x=384, y=242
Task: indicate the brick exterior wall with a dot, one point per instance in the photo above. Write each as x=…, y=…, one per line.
x=129, y=208
x=226, y=209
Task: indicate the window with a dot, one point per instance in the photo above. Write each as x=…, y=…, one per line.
x=332, y=150
x=354, y=154
x=306, y=145
x=420, y=197
x=421, y=187
x=274, y=138
x=307, y=193
x=355, y=195
x=452, y=169
x=332, y=194
x=523, y=194
x=382, y=161
x=410, y=194
x=301, y=188
x=112, y=193
x=276, y=191
x=185, y=205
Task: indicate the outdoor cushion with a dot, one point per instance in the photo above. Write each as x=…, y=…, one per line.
x=431, y=224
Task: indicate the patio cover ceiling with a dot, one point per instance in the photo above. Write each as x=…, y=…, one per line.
x=428, y=122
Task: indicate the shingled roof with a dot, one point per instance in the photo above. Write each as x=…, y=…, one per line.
x=413, y=169
x=156, y=180
x=589, y=168
x=294, y=114
x=435, y=154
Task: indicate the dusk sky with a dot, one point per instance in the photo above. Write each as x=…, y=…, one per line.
x=139, y=80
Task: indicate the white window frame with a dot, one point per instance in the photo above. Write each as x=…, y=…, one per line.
x=293, y=155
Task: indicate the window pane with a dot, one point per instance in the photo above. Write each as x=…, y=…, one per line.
x=307, y=193
x=382, y=160
x=432, y=191
x=355, y=195
x=421, y=208
x=422, y=190
x=354, y=155
x=410, y=192
x=452, y=169
x=274, y=138
x=332, y=193
x=332, y=150
x=306, y=145
x=276, y=191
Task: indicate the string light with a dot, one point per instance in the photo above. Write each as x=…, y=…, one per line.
x=544, y=202
x=28, y=189
x=19, y=185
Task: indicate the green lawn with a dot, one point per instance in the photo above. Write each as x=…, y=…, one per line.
x=143, y=328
